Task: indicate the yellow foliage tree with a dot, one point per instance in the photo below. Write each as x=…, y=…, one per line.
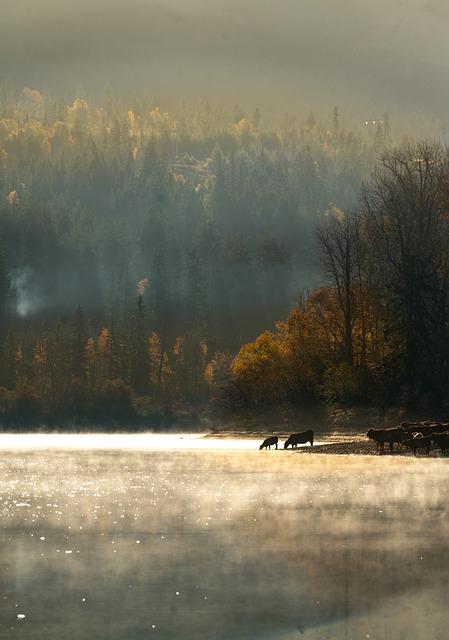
x=261, y=368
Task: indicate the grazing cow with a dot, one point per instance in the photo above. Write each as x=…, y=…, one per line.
x=266, y=444
x=299, y=438
x=418, y=443
x=381, y=436
x=441, y=440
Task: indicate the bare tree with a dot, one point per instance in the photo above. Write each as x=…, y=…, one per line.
x=405, y=211
x=340, y=255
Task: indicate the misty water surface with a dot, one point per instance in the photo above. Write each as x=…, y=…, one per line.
x=188, y=543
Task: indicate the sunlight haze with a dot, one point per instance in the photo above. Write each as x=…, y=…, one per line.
x=369, y=57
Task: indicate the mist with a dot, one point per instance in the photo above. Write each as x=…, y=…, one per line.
x=366, y=57
x=208, y=544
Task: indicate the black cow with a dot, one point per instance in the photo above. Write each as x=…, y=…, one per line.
x=266, y=444
x=441, y=440
x=299, y=438
x=381, y=436
x=418, y=443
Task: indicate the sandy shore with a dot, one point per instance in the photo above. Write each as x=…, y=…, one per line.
x=355, y=447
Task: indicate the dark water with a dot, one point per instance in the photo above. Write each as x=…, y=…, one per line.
x=214, y=543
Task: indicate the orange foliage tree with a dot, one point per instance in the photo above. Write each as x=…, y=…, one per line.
x=302, y=359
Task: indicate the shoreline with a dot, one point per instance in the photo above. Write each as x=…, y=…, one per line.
x=361, y=448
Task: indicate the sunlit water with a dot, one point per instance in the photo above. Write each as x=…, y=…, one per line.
x=133, y=538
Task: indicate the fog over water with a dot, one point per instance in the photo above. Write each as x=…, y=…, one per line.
x=368, y=57
x=221, y=544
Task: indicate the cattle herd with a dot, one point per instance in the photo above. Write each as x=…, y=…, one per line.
x=415, y=436
x=292, y=441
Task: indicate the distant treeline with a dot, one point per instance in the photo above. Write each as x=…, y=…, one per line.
x=141, y=248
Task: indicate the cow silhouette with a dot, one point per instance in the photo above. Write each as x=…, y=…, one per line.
x=266, y=444
x=441, y=440
x=389, y=436
x=299, y=438
x=418, y=443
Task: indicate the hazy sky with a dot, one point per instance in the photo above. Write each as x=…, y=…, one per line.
x=369, y=56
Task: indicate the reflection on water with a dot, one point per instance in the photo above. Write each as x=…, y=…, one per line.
x=205, y=544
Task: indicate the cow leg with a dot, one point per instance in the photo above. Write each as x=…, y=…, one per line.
x=276, y=446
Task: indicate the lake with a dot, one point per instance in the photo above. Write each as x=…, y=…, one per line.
x=168, y=537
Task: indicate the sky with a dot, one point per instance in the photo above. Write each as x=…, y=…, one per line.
x=366, y=57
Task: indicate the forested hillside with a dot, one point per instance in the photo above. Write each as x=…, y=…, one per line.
x=141, y=247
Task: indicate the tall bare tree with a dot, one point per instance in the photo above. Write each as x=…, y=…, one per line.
x=406, y=217
x=341, y=255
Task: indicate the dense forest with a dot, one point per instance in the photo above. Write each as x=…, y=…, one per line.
x=141, y=247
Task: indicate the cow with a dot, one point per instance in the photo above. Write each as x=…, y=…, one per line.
x=418, y=443
x=412, y=427
x=397, y=435
x=299, y=438
x=428, y=429
x=266, y=444
x=381, y=436
x=441, y=440
x=425, y=426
